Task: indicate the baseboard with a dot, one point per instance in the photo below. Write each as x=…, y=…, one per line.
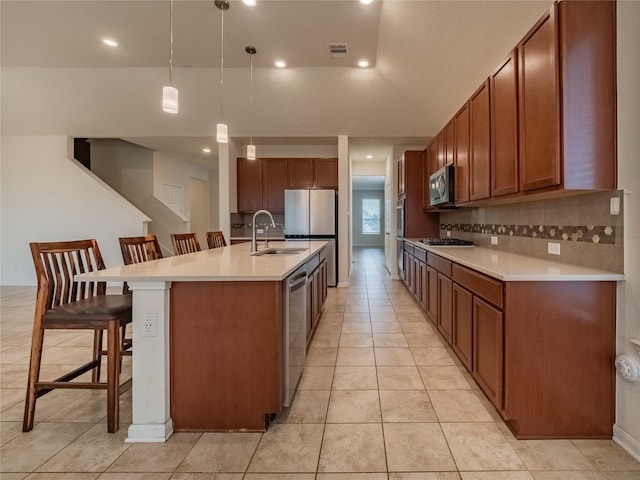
x=342, y=285
x=627, y=442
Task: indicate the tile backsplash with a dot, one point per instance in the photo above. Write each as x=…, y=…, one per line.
x=241, y=224
x=587, y=233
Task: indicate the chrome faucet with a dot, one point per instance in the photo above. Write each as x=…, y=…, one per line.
x=254, y=246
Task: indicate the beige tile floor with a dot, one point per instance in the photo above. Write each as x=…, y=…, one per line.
x=382, y=397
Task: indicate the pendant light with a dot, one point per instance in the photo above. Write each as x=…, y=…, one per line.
x=222, y=131
x=169, y=92
x=251, y=148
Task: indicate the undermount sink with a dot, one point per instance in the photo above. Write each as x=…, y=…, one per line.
x=279, y=251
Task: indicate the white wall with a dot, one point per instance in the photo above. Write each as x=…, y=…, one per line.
x=368, y=240
x=627, y=428
x=344, y=211
x=173, y=171
x=49, y=197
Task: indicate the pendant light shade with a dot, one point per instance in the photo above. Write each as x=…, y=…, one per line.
x=169, y=99
x=251, y=152
x=169, y=92
x=222, y=133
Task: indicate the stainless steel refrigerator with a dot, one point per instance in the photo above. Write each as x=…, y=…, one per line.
x=312, y=215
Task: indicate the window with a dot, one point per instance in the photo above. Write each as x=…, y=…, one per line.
x=371, y=216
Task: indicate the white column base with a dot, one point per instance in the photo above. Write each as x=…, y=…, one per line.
x=149, y=433
x=627, y=442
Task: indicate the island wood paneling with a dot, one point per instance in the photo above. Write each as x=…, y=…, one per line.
x=226, y=347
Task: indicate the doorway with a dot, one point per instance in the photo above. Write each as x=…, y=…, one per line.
x=368, y=226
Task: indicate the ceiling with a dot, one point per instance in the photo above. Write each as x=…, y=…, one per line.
x=427, y=57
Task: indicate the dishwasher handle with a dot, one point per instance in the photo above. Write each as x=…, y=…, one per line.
x=296, y=283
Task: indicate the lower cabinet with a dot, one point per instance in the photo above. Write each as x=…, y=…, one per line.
x=445, y=317
x=487, y=350
x=316, y=296
x=542, y=352
x=462, y=340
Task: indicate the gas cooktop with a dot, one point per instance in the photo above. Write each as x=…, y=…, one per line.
x=446, y=242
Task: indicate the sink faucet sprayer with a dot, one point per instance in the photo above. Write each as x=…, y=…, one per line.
x=254, y=246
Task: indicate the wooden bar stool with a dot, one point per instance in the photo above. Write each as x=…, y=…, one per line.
x=63, y=303
x=216, y=239
x=184, y=243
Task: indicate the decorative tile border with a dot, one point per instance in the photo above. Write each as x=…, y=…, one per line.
x=581, y=233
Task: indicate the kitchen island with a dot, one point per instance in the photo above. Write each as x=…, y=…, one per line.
x=208, y=332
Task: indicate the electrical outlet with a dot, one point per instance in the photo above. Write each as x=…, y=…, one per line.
x=259, y=230
x=448, y=233
x=553, y=248
x=150, y=325
x=614, y=206
x=494, y=240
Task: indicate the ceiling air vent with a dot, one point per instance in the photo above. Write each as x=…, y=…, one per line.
x=338, y=50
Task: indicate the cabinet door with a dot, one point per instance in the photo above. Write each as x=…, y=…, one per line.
x=310, y=306
x=538, y=85
x=317, y=295
x=445, y=317
x=426, y=168
x=461, y=155
x=449, y=135
x=462, y=341
x=249, y=185
x=504, y=127
x=480, y=144
x=424, y=285
x=326, y=171
x=300, y=172
x=416, y=278
x=487, y=350
x=432, y=294
x=324, y=270
x=274, y=184
x=442, y=149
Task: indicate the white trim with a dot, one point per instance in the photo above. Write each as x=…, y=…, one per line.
x=342, y=285
x=153, y=433
x=626, y=441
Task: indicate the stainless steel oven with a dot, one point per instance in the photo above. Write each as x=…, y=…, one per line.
x=400, y=255
x=400, y=218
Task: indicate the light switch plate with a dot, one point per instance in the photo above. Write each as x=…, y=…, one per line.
x=553, y=248
x=448, y=233
x=494, y=240
x=614, y=206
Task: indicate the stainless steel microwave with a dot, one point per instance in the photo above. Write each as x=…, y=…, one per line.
x=442, y=187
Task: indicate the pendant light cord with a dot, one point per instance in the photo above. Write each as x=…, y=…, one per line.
x=221, y=64
x=251, y=99
x=171, y=44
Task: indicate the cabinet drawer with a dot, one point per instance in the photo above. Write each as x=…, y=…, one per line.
x=420, y=254
x=483, y=286
x=408, y=248
x=439, y=263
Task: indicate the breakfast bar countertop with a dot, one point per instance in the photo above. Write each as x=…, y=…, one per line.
x=226, y=264
x=508, y=266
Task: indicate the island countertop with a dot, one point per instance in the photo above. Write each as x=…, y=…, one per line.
x=226, y=264
x=508, y=266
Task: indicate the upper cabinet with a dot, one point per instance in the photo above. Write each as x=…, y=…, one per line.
x=461, y=154
x=539, y=105
x=326, y=172
x=504, y=127
x=545, y=120
x=249, y=185
x=301, y=172
x=479, y=144
x=262, y=182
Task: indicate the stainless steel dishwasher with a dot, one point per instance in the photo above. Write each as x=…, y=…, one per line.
x=295, y=331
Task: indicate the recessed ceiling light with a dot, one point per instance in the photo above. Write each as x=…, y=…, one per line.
x=110, y=42
x=369, y=156
x=363, y=63
x=206, y=150
x=280, y=64
x=366, y=2
x=250, y=3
